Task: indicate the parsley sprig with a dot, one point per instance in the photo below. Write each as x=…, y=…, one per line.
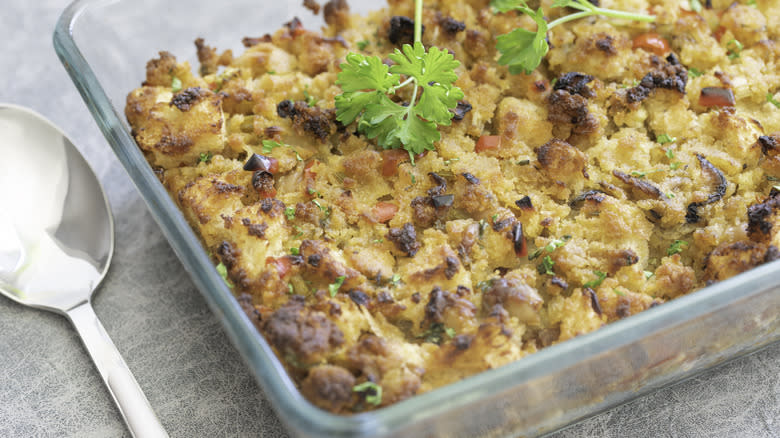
x=522, y=50
x=367, y=84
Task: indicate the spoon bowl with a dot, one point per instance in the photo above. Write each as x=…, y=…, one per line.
x=56, y=244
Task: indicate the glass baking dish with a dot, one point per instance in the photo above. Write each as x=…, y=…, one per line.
x=105, y=44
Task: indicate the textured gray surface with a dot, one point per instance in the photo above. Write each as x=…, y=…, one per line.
x=192, y=376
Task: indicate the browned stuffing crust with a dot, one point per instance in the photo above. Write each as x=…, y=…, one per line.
x=608, y=181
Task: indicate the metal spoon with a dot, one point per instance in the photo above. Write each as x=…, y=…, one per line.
x=56, y=242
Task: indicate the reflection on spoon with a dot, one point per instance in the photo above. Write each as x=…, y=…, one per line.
x=56, y=242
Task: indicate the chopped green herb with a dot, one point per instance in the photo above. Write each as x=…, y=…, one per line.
x=600, y=276
x=669, y=153
x=735, y=48
x=665, y=138
x=484, y=285
x=753, y=3
x=204, y=157
x=695, y=5
x=395, y=279
x=271, y=72
x=295, y=251
x=670, y=195
x=222, y=270
x=556, y=243
x=361, y=45
x=411, y=176
x=300, y=232
x=435, y=333
x=290, y=213
x=372, y=390
x=494, y=217
x=270, y=145
x=310, y=100
x=676, y=165
x=377, y=240
x=622, y=294
x=522, y=50
x=317, y=203
x=290, y=288
x=771, y=99
x=694, y=72
x=175, y=84
x=450, y=161
x=333, y=288
x=546, y=266
x=648, y=274
x=676, y=247
x=644, y=174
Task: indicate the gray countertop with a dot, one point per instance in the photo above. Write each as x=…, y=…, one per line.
x=192, y=375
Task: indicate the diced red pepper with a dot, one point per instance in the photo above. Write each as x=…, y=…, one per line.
x=488, y=143
x=391, y=158
x=282, y=264
x=384, y=211
x=716, y=97
x=651, y=42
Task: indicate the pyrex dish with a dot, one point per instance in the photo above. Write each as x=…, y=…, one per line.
x=105, y=44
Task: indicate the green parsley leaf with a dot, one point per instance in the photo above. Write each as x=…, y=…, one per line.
x=395, y=279
x=665, y=138
x=676, y=165
x=597, y=282
x=270, y=72
x=694, y=72
x=361, y=45
x=735, y=48
x=450, y=332
x=556, y=243
x=676, y=247
x=295, y=251
x=753, y=3
x=695, y=5
x=290, y=213
x=333, y=288
x=393, y=125
x=290, y=288
x=270, y=145
x=546, y=266
x=522, y=50
x=372, y=390
x=222, y=270
x=771, y=99
x=176, y=84
x=204, y=157
x=377, y=240
x=670, y=195
x=648, y=274
x=669, y=153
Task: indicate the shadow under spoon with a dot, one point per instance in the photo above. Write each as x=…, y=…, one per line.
x=56, y=243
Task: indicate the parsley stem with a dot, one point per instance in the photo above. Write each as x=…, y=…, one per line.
x=418, y=4
x=588, y=10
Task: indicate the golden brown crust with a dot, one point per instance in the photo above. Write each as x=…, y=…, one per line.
x=556, y=202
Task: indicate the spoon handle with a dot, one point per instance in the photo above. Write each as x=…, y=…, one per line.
x=133, y=405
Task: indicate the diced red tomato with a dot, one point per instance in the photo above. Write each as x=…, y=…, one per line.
x=716, y=97
x=488, y=143
x=384, y=211
x=652, y=42
x=391, y=158
x=282, y=264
